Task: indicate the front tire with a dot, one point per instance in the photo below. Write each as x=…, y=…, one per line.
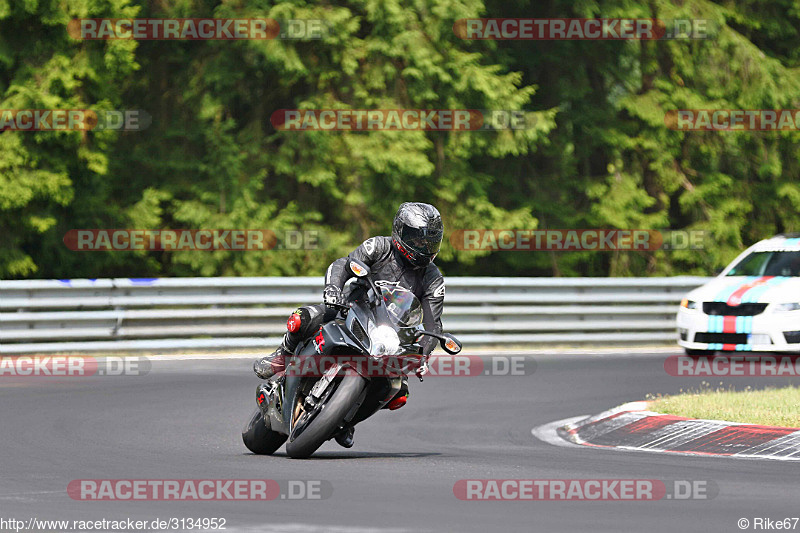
x=328, y=419
x=260, y=439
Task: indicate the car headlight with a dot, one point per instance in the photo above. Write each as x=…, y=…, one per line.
x=787, y=307
x=384, y=340
x=688, y=304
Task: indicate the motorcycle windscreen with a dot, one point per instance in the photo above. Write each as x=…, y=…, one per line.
x=404, y=308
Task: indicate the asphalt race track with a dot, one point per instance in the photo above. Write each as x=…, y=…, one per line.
x=183, y=421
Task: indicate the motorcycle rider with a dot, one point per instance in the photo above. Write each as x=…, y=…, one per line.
x=405, y=258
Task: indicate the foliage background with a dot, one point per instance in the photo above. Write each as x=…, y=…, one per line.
x=600, y=155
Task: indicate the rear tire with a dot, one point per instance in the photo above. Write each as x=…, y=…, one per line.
x=260, y=439
x=328, y=419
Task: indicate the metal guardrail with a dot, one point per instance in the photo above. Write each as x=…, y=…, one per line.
x=43, y=316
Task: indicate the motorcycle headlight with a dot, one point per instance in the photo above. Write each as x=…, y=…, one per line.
x=384, y=341
x=787, y=307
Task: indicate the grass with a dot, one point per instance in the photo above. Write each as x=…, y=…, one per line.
x=770, y=407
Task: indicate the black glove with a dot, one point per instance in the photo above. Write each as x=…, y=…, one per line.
x=332, y=296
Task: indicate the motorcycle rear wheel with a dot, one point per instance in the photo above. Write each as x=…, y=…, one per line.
x=260, y=439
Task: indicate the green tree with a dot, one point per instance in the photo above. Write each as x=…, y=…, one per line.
x=52, y=180
x=599, y=153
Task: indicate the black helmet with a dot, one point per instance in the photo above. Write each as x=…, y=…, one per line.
x=417, y=232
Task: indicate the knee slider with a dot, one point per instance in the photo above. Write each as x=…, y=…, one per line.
x=298, y=320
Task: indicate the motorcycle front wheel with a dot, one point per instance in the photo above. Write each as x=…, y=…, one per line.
x=313, y=428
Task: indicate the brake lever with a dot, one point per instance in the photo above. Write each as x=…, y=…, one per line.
x=423, y=369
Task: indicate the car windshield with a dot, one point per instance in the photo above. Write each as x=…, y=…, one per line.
x=768, y=263
x=404, y=308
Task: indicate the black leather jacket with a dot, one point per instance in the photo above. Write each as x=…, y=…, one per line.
x=386, y=263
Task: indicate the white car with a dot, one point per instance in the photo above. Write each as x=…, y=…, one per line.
x=753, y=305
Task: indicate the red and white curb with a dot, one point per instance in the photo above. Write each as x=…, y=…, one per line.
x=633, y=427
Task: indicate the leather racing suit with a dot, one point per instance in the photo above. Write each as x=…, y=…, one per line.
x=386, y=264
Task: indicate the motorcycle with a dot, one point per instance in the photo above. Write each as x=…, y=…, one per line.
x=352, y=368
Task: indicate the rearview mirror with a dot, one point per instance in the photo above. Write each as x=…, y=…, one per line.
x=450, y=344
x=357, y=268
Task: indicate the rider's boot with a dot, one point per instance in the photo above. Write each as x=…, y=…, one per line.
x=397, y=402
x=271, y=364
x=345, y=437
x=400, y=398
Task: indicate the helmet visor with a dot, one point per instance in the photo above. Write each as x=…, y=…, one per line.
x=422, y=240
